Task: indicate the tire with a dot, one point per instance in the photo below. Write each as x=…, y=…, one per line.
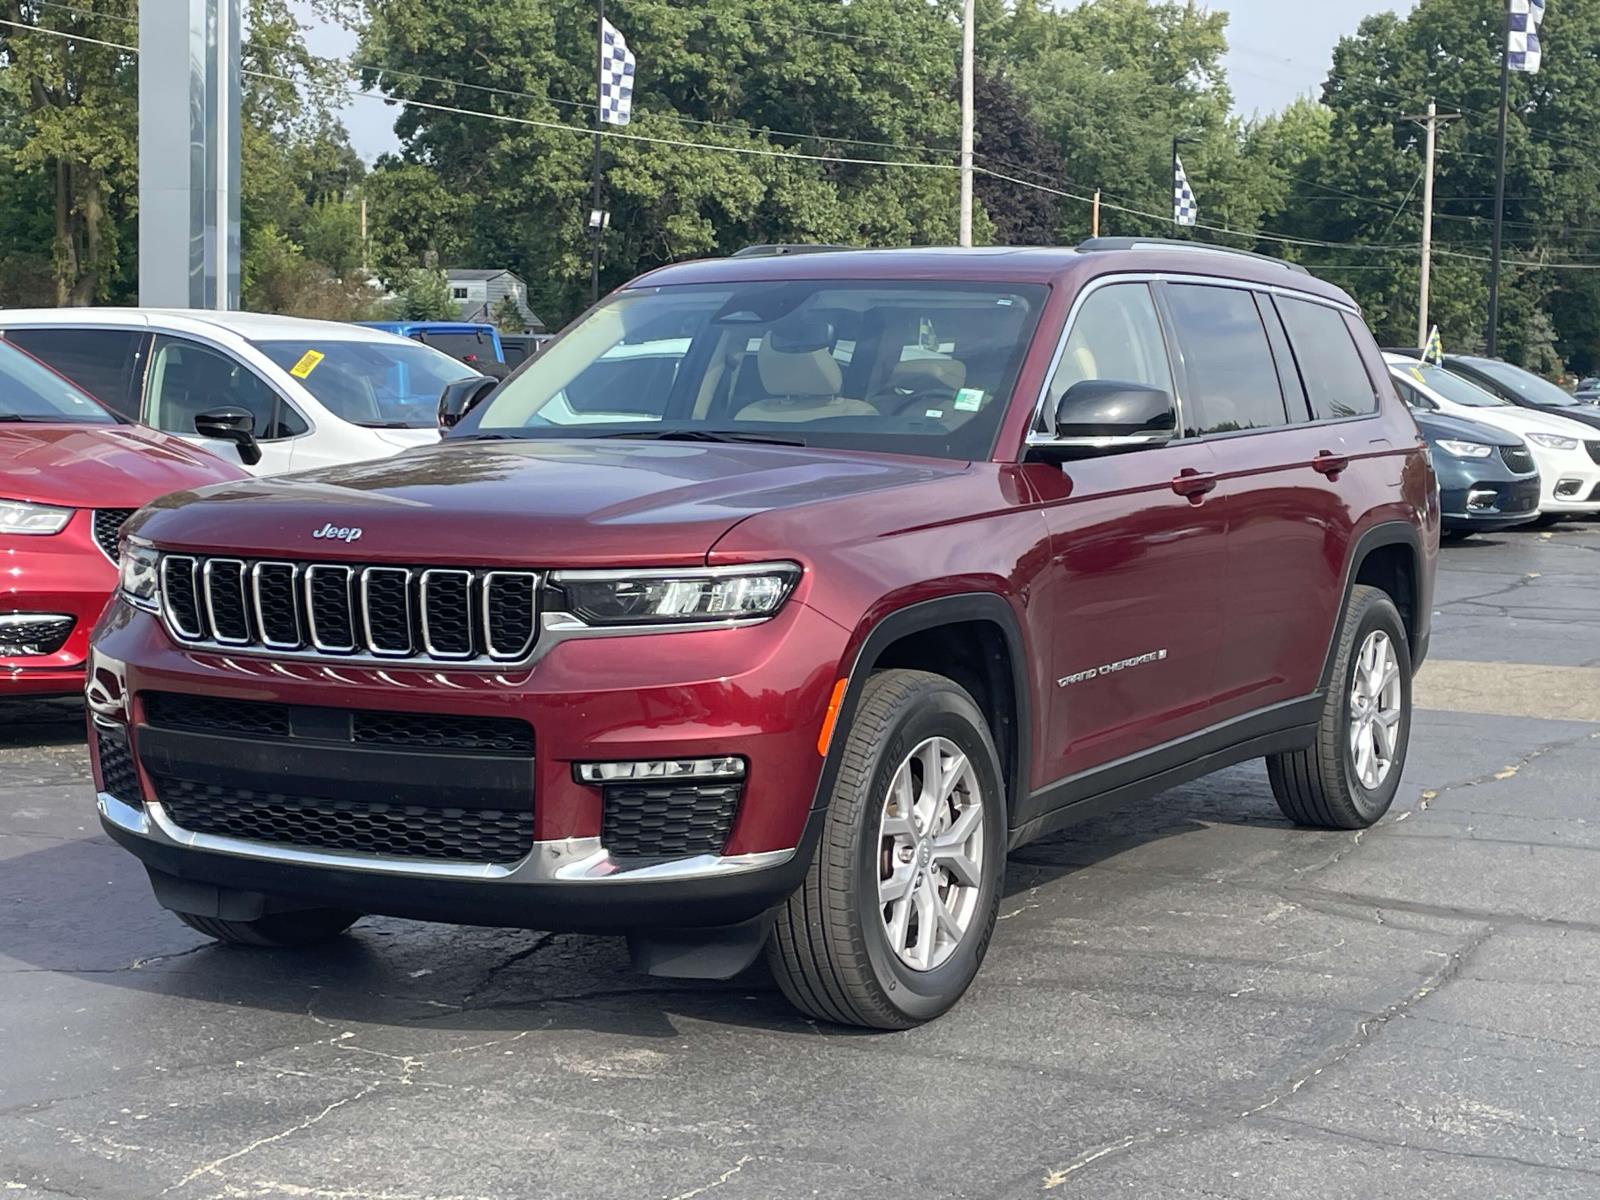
x=1322, y=786
x=305, y=927
x=830, y=949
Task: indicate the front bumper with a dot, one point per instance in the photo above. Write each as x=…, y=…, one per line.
x=1570, y=480
x=1483, y=495
x=758, y=693
x=64, y=574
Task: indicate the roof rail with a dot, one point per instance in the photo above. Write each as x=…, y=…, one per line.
x=768, y=251
x=1097, y=245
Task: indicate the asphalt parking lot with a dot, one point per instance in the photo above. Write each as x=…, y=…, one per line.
x=1188, y=999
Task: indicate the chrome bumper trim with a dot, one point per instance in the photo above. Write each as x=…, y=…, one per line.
x=574, y=860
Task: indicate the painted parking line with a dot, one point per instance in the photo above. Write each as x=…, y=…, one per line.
x=1509, y=690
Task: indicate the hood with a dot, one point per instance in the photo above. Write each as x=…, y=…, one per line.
x=568, y=503
x=1438, y=427
x=405, y=439
x=101, y=466
x=1537, y=420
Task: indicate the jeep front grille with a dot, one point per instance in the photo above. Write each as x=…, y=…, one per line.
x=393, y=614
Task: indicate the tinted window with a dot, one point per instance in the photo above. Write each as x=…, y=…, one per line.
x=1526, y=384
x=1330, y=365
x=1233, y=381
x=1116, y=335
x=386, y=384
x=1413, y=398
x=30, y=391
x=187, y=379
x=468, y=347
x=103, y=362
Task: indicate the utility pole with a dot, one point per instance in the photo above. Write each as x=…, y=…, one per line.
x=1429, y=121
x=967, y=21
x=1094, y=226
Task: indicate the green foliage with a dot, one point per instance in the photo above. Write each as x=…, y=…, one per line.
x=424, y=295
x=507, y=315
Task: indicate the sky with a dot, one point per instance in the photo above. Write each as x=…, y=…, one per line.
x=1281, y=49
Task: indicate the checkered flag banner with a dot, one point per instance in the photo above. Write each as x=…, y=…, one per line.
x=1523, y=51
x=616, y=76
x=1185, y=208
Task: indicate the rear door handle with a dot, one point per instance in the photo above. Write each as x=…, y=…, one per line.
x=1194, y=484
x=1330, y=464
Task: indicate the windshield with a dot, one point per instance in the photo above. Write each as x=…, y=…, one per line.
x=1453, y=387
x=912, y=368
x=380, y=384
x=31, y=391
x=1526, y=384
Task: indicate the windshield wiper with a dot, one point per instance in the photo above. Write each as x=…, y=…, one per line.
x=705, y=435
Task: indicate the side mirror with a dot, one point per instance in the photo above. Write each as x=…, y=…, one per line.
x=461, y=397
x=1108, y=414
x=234, y=425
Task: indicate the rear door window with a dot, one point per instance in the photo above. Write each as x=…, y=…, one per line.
x=106, y=363
x=1232, y=378
x=1335, y=378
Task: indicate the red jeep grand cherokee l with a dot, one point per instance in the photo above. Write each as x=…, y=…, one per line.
x=774, y=603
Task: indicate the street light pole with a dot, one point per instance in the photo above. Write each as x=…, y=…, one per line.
x=967, y=20
x=597, y=217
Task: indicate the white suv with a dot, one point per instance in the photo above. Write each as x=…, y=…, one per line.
x=318, y=392
x=1566, y=452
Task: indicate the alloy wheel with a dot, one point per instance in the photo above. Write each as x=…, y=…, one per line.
x=1376, y=709
x=930, y=854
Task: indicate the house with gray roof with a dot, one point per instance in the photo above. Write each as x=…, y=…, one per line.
x=478, y=291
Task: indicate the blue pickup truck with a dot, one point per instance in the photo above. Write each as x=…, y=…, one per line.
x=474, y=344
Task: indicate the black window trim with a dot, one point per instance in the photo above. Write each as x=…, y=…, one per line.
x=1155, y=279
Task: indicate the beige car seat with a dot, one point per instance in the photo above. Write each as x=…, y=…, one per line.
x=800, y=386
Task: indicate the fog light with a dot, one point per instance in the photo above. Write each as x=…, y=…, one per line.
x=1481, y=499
x=28, y=635
x=1568, y=488
x=660, y=768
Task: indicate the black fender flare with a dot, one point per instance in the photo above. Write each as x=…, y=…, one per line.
x=965, y=607
x=1388, y=533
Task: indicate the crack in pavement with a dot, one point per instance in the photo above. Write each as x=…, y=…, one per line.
x=1368, y=1139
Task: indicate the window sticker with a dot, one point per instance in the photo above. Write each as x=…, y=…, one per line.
x=935, y=413
x=969, y=399
x=307, y=364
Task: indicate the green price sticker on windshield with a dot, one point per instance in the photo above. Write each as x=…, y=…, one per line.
x=307, y=364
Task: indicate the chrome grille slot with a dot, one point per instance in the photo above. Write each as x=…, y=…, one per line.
x=447, y=613
x=277, y=613
x=510, y=613
x=388, y=614
x=386, y=610
x=226, y=609
x=329, y=613
x=180, y=595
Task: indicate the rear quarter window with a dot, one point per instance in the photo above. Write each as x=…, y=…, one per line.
x=1336, y=380
x=1233, y=380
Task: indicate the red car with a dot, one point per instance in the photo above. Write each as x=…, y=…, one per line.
x=778, y=599
x=70, y=475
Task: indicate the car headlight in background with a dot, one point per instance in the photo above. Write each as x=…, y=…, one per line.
x=668, y=597
x=140, y=568
x=1466, y=449
x=1553, y=441
x=18, y=516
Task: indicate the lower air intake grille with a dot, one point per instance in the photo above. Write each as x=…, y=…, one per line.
x=117, y=771
x=108, y=523
x=29, y=635
x=672, y=820
x=388, y=830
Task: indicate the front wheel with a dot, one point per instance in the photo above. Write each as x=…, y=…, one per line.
x=1348, y=777
x=900, y=901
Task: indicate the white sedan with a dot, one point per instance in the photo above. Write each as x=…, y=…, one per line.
x=1567, y=452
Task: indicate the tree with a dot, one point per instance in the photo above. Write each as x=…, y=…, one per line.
x=507, y=315
x=425, y=296
x=1012, y=143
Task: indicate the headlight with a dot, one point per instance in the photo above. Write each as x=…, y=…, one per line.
x=665, y=597
x=18, y=516
x=140, y=566
x=1466, y=449
x=1553, y=441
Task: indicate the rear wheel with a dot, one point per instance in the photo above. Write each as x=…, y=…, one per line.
x=1348, y=777
x=897, y=909
x=302, y=928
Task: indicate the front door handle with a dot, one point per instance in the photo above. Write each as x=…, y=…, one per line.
x=1194, y=484
x=1330, y=464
